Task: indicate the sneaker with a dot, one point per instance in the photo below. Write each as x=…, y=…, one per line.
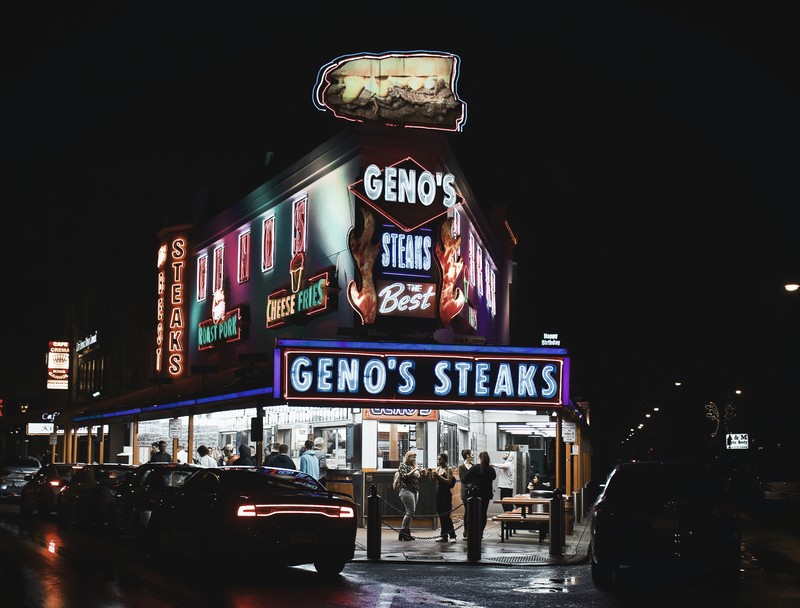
x=453, y=539
x=442, y=539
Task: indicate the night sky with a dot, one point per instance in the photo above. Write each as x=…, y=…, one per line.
x=647, y=158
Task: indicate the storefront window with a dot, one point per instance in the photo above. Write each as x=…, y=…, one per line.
x=448, y=442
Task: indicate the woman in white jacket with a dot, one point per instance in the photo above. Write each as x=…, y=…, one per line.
x=506, y=474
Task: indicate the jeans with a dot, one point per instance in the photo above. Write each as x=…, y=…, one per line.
x=507, y=493
x=444, y=505
x=409, y=500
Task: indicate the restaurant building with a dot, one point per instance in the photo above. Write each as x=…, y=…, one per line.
x=360, y=295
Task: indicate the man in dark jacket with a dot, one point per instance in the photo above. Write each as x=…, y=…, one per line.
x=281, y=460
x=162, y=455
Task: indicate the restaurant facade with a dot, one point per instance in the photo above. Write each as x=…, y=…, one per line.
x=360, y=296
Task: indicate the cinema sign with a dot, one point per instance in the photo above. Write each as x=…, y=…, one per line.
x=451, y=376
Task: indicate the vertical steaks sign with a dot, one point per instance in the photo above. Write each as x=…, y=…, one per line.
x=440, y=375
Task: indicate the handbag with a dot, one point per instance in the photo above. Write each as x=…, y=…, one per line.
x=396, y=481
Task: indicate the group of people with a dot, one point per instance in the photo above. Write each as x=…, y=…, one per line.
x=477, y=480
x=313, y=459
x=205, y=455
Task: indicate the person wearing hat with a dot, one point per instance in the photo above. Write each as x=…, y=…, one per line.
x=161, y=455
x=506, y=477
x=229, y=455
x=319, y=445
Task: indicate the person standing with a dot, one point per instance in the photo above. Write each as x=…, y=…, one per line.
x=507, y=474
x=161, y=455
x=245, y=459
x=410, y=475
x=465, y=466
x=281, y=460
x=483, y=476
x=319, y=449
x=274, y=451
x=231, y=457
x=445, y=480
x=309, y=463
x=206, y=459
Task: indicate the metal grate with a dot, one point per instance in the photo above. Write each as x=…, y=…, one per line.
x=424, y=556
x=517, y=559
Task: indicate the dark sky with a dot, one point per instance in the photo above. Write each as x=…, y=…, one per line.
x=647, y=157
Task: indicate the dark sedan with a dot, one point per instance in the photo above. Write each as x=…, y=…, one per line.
x=40, y=494
x=664, y=516
x=137, y=497
x=86, y=499
x=274, y=516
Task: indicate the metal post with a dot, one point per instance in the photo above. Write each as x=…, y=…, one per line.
x=576, y=506
x=557, y=523
x=373, y=523
x=474, y=531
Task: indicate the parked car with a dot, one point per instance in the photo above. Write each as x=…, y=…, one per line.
x=40, y=494
x=86, y=499
x=660, y=515
x=135, y=499
x=13, y=470
x=280, y=517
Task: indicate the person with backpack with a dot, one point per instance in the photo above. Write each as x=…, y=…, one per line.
x=309, y=463
x=445, y=481
x=319, y=445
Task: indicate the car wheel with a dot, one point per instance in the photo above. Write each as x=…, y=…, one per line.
x=329, y=567
x=602, y=576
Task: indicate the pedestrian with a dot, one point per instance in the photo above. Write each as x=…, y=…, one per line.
x=410, y=474
x=161, y=454
x=231, y=457
x=309, y=463
x=445, y=480
x=227, y=452
x=319, y=449
x=506, y=478
x=274, y=451
x=245, y=457
x=206, y=459
x=483, y=475
x=282, y=460
x=465, y=466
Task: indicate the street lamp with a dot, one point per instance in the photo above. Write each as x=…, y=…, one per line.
x=791, y=286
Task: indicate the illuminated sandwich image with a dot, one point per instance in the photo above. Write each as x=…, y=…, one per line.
x=415, y=89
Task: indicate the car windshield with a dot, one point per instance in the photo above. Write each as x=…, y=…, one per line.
x=21, y=462
x=274, y=479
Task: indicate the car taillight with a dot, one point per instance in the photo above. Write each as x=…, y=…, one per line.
x=55, y=483
x=339, y=512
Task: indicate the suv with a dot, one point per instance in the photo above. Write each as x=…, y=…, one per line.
x=664, y=515
x=13, y=470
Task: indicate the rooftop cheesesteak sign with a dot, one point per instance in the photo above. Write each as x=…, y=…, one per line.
x=447, y=375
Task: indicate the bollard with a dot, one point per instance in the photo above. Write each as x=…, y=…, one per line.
x=556, y=523
x=576, y=506
x=373, y=523
x=474, y=530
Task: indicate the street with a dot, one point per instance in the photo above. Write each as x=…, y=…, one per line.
x=44, y=565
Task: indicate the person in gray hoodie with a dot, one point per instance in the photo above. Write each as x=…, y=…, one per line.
x=506, y=476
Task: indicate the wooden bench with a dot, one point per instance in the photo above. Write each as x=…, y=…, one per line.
x=513, y=520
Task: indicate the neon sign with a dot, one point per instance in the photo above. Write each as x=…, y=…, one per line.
x=170, y=351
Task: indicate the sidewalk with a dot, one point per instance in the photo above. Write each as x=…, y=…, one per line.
x=522, y=549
